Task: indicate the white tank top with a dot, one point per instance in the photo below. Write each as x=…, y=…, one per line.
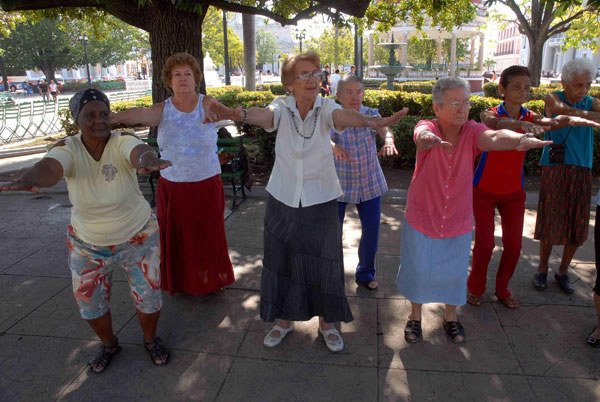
x=189, y=144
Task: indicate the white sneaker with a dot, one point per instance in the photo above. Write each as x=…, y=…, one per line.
x=271, y=341
x=336, y=345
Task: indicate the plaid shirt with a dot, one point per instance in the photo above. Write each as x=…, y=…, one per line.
x=362, y=179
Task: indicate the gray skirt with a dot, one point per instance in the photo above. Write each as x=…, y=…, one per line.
x=303, y=264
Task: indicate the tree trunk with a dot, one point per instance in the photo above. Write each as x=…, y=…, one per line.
x=172, y=31
x=249, y=30
x=535, y=60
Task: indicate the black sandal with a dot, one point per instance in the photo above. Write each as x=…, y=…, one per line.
x=591, y=341
x=412, y=331
x=365, y=284
x=454, y=329
x=157, y=350
x=103, y=357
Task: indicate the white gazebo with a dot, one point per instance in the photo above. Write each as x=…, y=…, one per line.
x=401, y=32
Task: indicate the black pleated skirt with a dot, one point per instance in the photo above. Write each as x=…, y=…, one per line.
x=303, y=265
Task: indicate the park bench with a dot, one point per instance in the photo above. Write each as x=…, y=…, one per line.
x=6, y=98
x=234, y=165
x=232, y=156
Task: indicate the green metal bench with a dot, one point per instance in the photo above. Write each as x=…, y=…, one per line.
x=6, y=98
x=152, y=176
x=235, y=166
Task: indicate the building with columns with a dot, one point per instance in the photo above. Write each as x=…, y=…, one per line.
x=508, y=47
x=512, y=48
x=403, y=31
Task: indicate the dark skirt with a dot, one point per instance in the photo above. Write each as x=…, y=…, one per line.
x=563, y=214
x=194, y=255
x=303, y=265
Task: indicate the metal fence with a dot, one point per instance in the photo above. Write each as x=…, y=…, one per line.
x=27, y=120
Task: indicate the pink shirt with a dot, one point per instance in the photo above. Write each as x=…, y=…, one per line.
x=440, y=197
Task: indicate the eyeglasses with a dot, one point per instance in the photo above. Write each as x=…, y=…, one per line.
x=457, y=105
x=306, y=76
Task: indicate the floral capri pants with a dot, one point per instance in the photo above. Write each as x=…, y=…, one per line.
x=92, y=267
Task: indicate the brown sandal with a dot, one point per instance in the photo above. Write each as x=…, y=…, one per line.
x=510, y=302
x=473, y=300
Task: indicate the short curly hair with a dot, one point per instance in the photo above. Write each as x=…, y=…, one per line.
x=288, y=73
x=180, y=59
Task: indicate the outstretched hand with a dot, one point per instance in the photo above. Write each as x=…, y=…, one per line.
x=379, y=123
x=340, y=154
x=216, y=111
x=388, y=149
x=21, y=184
x=537, y=129
x=430, y=140
x=526, y=143
x=154, y=165
x=576, y=121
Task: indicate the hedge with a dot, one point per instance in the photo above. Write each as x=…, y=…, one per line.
x=424, y=87
x=420, y=107
x=490, y=89
x=66, y=119
x=103, y=85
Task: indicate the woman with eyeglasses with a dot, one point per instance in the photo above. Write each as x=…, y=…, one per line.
x=498, y=183
x=303, y=267
x=436, y=235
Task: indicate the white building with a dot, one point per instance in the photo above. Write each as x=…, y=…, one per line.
x=508, y=47
x=513, y=49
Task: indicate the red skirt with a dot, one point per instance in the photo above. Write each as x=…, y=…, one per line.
x=194, y=255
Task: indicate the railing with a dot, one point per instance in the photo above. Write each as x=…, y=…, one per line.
x=27, y=120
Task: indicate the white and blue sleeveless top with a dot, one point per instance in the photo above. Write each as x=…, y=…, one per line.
x=189, y=144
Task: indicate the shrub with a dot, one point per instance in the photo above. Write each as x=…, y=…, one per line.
x=389, y=102
x=220, y=91
x=403, y=139
x=102, y=85
x=479, y=104
x=372, y=84
x=490, y=89
x=68, y=124
x=276, y=89
x=424, y=87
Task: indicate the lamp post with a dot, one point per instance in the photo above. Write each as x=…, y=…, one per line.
x=226, y=51
x=84, y=42
x=300, y=34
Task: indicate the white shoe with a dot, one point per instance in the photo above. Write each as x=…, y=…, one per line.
x=334, y=346
x=271, y=341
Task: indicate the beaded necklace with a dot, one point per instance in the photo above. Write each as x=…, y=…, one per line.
x=316, y=117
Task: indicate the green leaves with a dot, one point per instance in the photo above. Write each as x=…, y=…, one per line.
x=444, y=13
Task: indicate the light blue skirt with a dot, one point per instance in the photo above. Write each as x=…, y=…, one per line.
x=433, y=270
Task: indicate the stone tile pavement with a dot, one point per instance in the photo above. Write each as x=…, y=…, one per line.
x=534, y=353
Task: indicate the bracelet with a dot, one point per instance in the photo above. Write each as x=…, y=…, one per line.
x=245, y=112
x=369, y=119
x=142, y=156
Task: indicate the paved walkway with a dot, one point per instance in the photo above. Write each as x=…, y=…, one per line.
x=534, y=353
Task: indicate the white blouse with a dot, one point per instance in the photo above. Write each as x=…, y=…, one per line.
x=189, y=144
x=304, y=171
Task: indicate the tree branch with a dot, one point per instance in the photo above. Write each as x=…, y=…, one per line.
x=565, y=25
x=525, y=26
x=303, y=14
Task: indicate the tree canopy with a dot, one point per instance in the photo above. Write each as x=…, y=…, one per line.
x=212, y=29
x=176, y=25
x=47, y=44
x=539, y=20
x=331, y=53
